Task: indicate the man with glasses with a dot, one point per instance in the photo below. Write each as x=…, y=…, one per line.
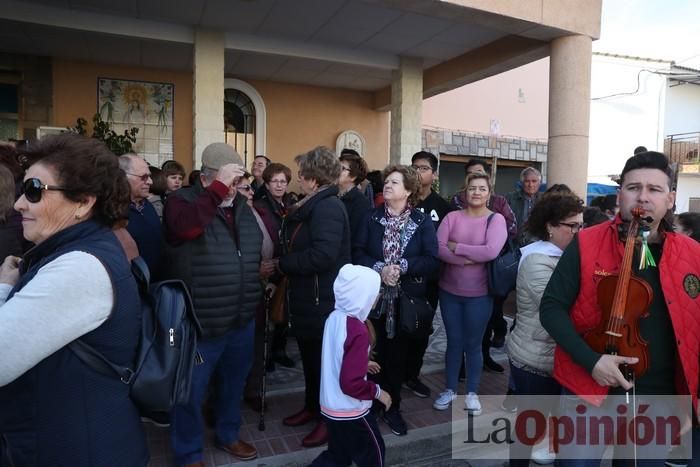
x=436, y=208
x=144, y=224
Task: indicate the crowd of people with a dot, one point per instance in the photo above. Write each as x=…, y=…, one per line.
x=341, y=252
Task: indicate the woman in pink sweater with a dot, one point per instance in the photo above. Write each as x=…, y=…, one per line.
x=467, y=239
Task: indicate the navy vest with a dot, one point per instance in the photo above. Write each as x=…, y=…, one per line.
x=221, y=267
x=61, y=412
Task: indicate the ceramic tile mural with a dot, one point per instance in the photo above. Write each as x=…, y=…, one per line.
x=145, y=105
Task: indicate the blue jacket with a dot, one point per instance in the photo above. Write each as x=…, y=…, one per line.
x=419, y=250
x=61, y=412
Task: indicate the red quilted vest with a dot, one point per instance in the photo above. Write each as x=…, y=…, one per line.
x=601, y=253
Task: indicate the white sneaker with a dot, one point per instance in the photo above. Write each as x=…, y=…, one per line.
x=444, y=400
x=472, y=404
x=543, y=456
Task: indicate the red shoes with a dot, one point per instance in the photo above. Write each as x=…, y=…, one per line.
x=300, y=418
x=317, y=437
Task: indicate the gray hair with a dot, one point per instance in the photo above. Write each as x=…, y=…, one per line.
x=320, y=164
x=530, y=171
x=125, y=160
x=209, y=174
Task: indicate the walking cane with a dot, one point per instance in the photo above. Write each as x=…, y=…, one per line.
x=266, y=344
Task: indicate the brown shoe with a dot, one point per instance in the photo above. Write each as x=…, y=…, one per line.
x=240, y=449
x=317, y=437
x=300, y=418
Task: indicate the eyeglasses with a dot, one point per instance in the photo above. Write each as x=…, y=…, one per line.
x=278, y=182
x=342, y=167
x=574, y=226
x=422, y=168
x=32, y=188
x=244, y=187
x=143, y=178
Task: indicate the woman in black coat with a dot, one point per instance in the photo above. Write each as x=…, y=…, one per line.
x=316, y=236
x=399, y=242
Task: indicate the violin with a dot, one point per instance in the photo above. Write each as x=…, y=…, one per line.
x=624, y=299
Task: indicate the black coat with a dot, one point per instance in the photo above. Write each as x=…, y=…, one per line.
x=320, y=248
x=420, y=252
x=357, y=205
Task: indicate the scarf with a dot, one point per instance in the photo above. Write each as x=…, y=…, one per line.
x=296, y=206
x=393, y=227
x=391, y=247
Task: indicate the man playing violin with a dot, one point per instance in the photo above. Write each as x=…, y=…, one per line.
x=570, y=304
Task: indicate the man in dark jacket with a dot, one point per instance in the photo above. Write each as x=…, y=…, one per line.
x=216, y=245
x=523, y=199
x=144, y=224
x=435, y=208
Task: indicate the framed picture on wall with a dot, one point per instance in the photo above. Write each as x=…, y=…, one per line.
x=145, y=105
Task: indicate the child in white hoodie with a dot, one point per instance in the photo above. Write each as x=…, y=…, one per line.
x=346, y=395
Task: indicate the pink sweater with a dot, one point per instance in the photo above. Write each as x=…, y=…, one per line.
x=473, y=243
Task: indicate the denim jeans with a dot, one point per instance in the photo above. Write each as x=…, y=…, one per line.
x=587, y=455
x=230, y=356
x=531, y=384
x=465, y=321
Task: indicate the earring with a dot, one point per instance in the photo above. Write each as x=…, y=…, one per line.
x=77, y=216
x=550, y=233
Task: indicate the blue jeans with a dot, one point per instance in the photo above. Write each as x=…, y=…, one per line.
x=590, y=455
x=230, y=356
x=527, y=384
x=465, y=321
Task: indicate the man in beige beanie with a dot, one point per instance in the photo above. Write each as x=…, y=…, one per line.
x=216, y=245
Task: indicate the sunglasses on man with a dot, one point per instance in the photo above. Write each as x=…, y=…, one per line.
x=32, y=189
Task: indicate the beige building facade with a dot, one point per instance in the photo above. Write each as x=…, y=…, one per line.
x=279, y=78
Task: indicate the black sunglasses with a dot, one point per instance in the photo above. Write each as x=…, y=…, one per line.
x=32, y=188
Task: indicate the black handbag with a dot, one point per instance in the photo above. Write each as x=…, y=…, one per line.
x=503, y=270
x=415, y=316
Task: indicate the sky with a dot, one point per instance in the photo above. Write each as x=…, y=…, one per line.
x=663, y=29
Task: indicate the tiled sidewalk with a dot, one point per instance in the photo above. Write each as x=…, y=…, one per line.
x=286, y=397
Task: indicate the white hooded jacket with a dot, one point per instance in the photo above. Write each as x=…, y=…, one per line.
x=345, y=391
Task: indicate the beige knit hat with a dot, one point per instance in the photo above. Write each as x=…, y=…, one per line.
x=216, y=155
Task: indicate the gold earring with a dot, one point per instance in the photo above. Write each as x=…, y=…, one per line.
x=77, y=216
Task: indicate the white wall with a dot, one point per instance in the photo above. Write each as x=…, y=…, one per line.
x=682, y=109
x=621, y=123
x=688, y=187
x=518, y=99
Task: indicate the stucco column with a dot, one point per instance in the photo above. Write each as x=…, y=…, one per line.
x=208, y=111
x=406, y=110
x=569, y=112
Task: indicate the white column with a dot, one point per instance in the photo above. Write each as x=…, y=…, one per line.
x=208, y=105
x=406, y=110
x=569, y=112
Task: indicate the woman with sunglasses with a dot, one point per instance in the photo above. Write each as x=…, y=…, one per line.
x=553, y=221
x=75, y=283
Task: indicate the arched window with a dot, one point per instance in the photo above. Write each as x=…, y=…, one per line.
x=239, y=123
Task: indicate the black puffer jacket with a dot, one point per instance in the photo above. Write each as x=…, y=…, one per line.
x=357, y=205
x=320, y=248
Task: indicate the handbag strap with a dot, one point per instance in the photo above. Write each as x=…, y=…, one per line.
x=98, y=362
x=294, y=235
x=508, y=246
